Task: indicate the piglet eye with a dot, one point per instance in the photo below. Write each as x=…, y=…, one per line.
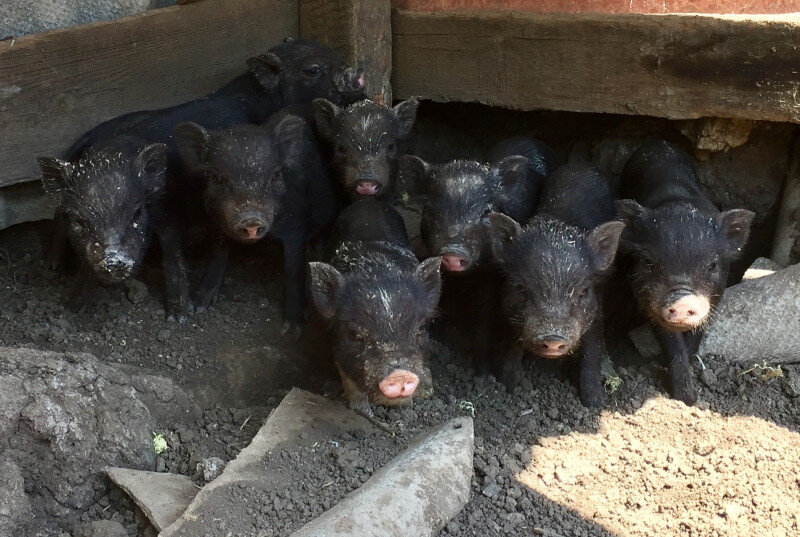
x=391, y=148
x=712, y=267
x=486, y=211
x=583, y=292
x=340, y=149
x=312, y=71
x=277, y=174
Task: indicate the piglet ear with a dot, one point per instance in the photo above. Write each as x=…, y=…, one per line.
x=512, y=171
x=428, y=273
x=266, y=68
x=413, y=175
x=55, y=174
x=502, y=231
x=734, y=226
x=194, y=144
x=325, y=115
x=292, y=132
x=406, y=114
x=603, y=242
x=629, y=211
x=325, y=284
x=150, y=166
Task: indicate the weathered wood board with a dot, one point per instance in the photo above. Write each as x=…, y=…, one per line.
x=360, y=30
x=56, y=85
x=673, y=66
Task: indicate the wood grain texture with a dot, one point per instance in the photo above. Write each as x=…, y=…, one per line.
x=55, y=86
x=673, y=66
x=359, y=30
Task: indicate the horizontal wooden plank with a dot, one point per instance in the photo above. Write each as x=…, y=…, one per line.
x=56, y=85
x=673, y=66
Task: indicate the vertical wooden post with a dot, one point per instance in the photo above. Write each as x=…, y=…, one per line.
x=359, y=30
x=786, y=244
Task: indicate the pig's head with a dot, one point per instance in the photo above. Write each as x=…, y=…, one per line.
x=551, y=271
x=299, y=71
x=245, y=171
x=108, y=199
x=458, y=195
x=366, y=139
x=379, y=325
x=680, y=259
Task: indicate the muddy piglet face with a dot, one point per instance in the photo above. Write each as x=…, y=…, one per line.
x=300, y=71
x=551, y=271
x=108, y=198
x=680, y=259
x=380, y=329
x=245, y=172
x=458, y=195
x=366, y=139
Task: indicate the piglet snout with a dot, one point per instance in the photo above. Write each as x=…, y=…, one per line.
x=250, y=228
x=399, y=383
x=687, y=311
x=454, y=263
x=367, y=188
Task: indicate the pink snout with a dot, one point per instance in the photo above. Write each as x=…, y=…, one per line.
x=399, y=383
x=454, y=263
x=688, y=311
x=367, y=188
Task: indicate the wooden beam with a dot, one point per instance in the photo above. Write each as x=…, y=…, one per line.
x=673, y=66
x=56, y=85
x=360, y=30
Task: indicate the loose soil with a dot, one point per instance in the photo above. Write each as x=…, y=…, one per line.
x=544, y=465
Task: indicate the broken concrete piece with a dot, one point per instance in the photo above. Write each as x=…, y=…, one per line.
x=101, y=528
x=758, y=320
x=302, y=418
x=162, y=497
x=761, y=267
x=416, y=494
x=645, y=341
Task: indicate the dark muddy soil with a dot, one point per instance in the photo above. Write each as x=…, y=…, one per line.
x=544, y=465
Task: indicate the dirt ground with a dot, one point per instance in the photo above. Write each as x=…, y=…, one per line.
x=544, y=465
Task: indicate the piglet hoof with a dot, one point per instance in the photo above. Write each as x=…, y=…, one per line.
x=291, y=330
x=685, y=392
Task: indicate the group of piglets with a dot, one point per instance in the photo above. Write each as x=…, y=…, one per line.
x=521, y=252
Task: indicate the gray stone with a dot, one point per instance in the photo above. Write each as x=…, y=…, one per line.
x=302, y=418
x=758, y=320
x=101, y=528
x=716, y=133
x=761, y=267
x=645, y=341
x=161, y=497
x=25, y=202
x=491, y=490
x=63, y=417
x=15, y=508
x=212, y=468
x=417, y=493
x=708, y=377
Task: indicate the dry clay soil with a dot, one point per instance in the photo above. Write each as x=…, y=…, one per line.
x=644, y=465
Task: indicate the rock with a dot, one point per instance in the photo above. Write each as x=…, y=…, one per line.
x=302, y=418
x=491, y=490
x=161, y=497
x=163, y=335
x=15, y=508
x=135, y=290
x=761, y=267
x=645, y=341
x=758, y=320
x=716, y=133
x=211, y=468
x=101, y=528
x=417, y=493
x=63, y=417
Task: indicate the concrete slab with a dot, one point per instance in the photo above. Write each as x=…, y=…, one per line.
x=757, y=320
x=302, y=418
x=416, y=494
x=161, y=497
